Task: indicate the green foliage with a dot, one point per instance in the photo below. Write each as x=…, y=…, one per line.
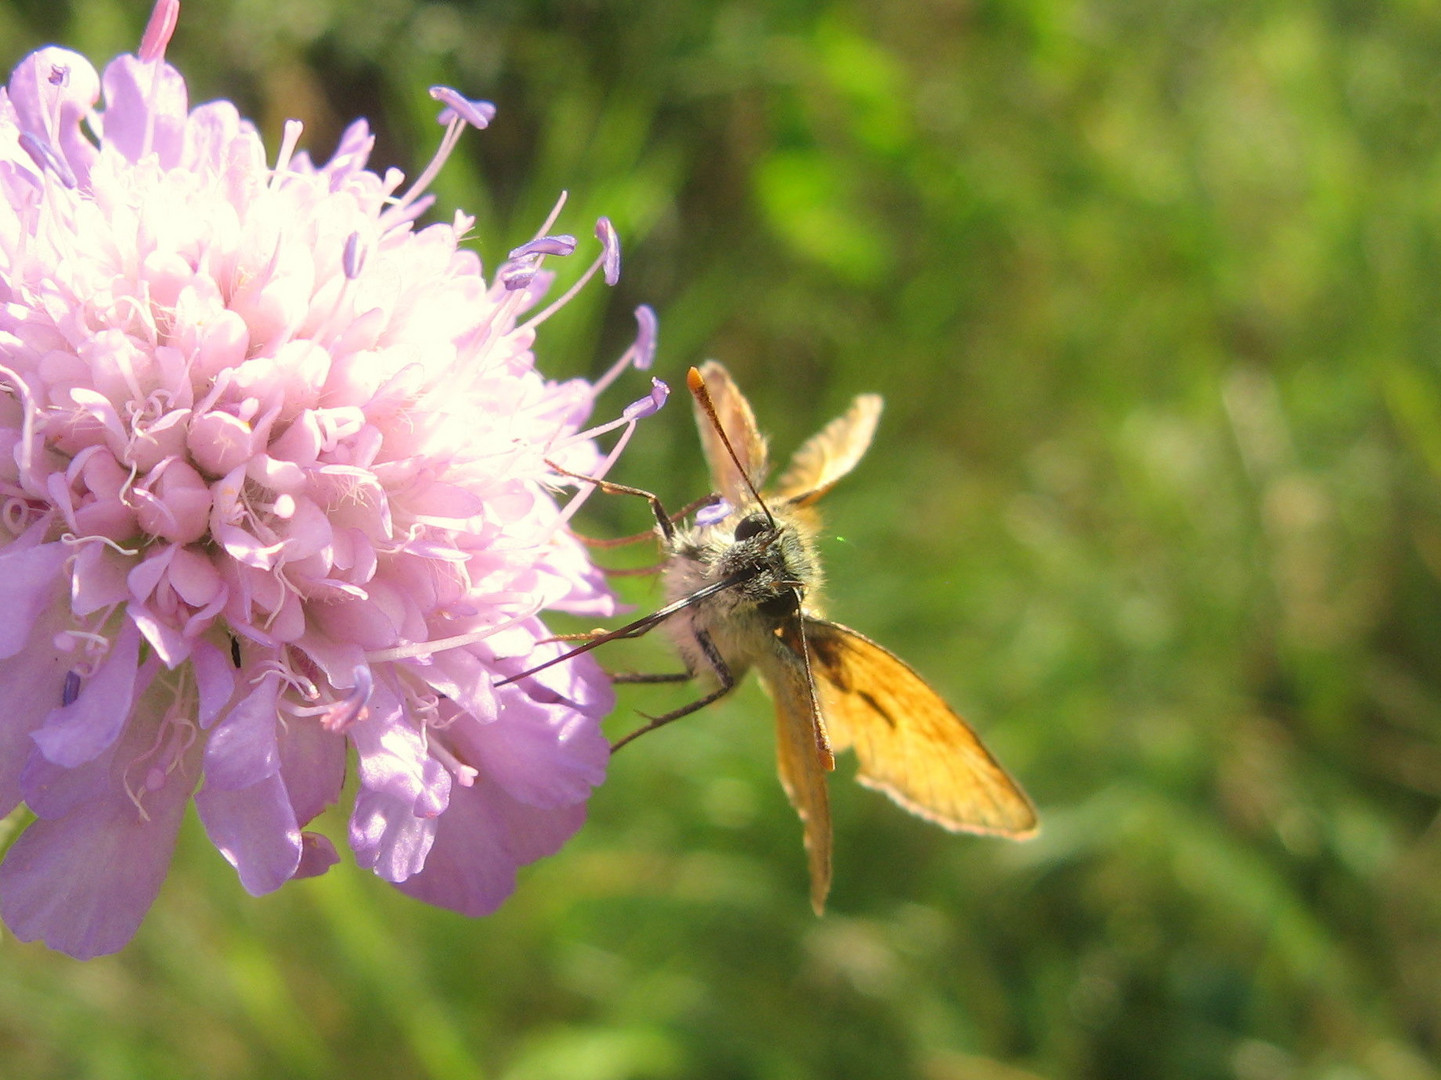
x=1152, y=294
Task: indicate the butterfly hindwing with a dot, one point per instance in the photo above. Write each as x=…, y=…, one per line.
x=803, y=755
x=909, y=742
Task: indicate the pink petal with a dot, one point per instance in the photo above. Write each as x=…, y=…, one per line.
x=76, y=733
x=336, y=659
x=214, y=678
x=386, y=837
x=372, y=623
x=99, y=579
x=445, y=501
x=300, y=442
x=83, y=883
x=146, y=575
x=402, y=792
x=317, y=855
x=194, y=577
x=224, y=340
x=254, y=828
x=158, y=30
x=29, y=581
x=38, y=95
x=542, y=754
x=168, y=641
x=309, y=531
x=244, y=804
x=483, y=837
x=312, y=761
x=52, y=791
x=33, y=679
x=220, y=443
x=145, y=108
x=393, y=759
x=242, y=749
x=176, y=507
x=465, y=679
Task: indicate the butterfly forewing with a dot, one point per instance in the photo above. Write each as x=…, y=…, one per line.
x=830, y=453
x=909, y=742
x=734, y=413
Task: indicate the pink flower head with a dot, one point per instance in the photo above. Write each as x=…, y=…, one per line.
x=276, y=479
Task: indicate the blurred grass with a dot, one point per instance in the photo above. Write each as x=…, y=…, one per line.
x=1152, y=294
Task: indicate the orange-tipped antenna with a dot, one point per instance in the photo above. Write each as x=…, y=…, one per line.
x=696, y=383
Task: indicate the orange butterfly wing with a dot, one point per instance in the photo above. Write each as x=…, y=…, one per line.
x=734, y=413
x=910, y=743
x=803, y=757
x=830, y=453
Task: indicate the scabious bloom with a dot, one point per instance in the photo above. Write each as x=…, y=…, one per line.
x=276, y=479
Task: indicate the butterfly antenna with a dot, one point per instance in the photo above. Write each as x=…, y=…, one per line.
x=696, y=384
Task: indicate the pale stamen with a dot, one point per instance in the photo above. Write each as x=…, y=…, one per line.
x=27, y=422
x=465, y=775
x=641, y=353
x=351, y=708
x=173, y=737
x=456, y=119
x=606, y=257
x=158, y=31
x=633, y=414
x=289, y=141
x=459, y=641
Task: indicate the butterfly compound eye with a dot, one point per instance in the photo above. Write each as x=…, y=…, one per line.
x=751, y=525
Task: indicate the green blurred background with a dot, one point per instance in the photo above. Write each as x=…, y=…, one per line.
x=1151, y=291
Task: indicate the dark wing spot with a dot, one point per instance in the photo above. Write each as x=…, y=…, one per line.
x=879, y=709
x=826, y=655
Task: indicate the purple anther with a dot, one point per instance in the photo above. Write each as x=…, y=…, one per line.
x=610, y=243
x=714, y=513
x=352, y=259
x=44, y=155
x=645, y=338
x=71, y=690
x=650, y=404
x=518, y=275
x=478, y=114
x=560, y=244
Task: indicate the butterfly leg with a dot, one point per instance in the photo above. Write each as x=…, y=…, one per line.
x=723, y=675
x=664, y=520
x=635, y=538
